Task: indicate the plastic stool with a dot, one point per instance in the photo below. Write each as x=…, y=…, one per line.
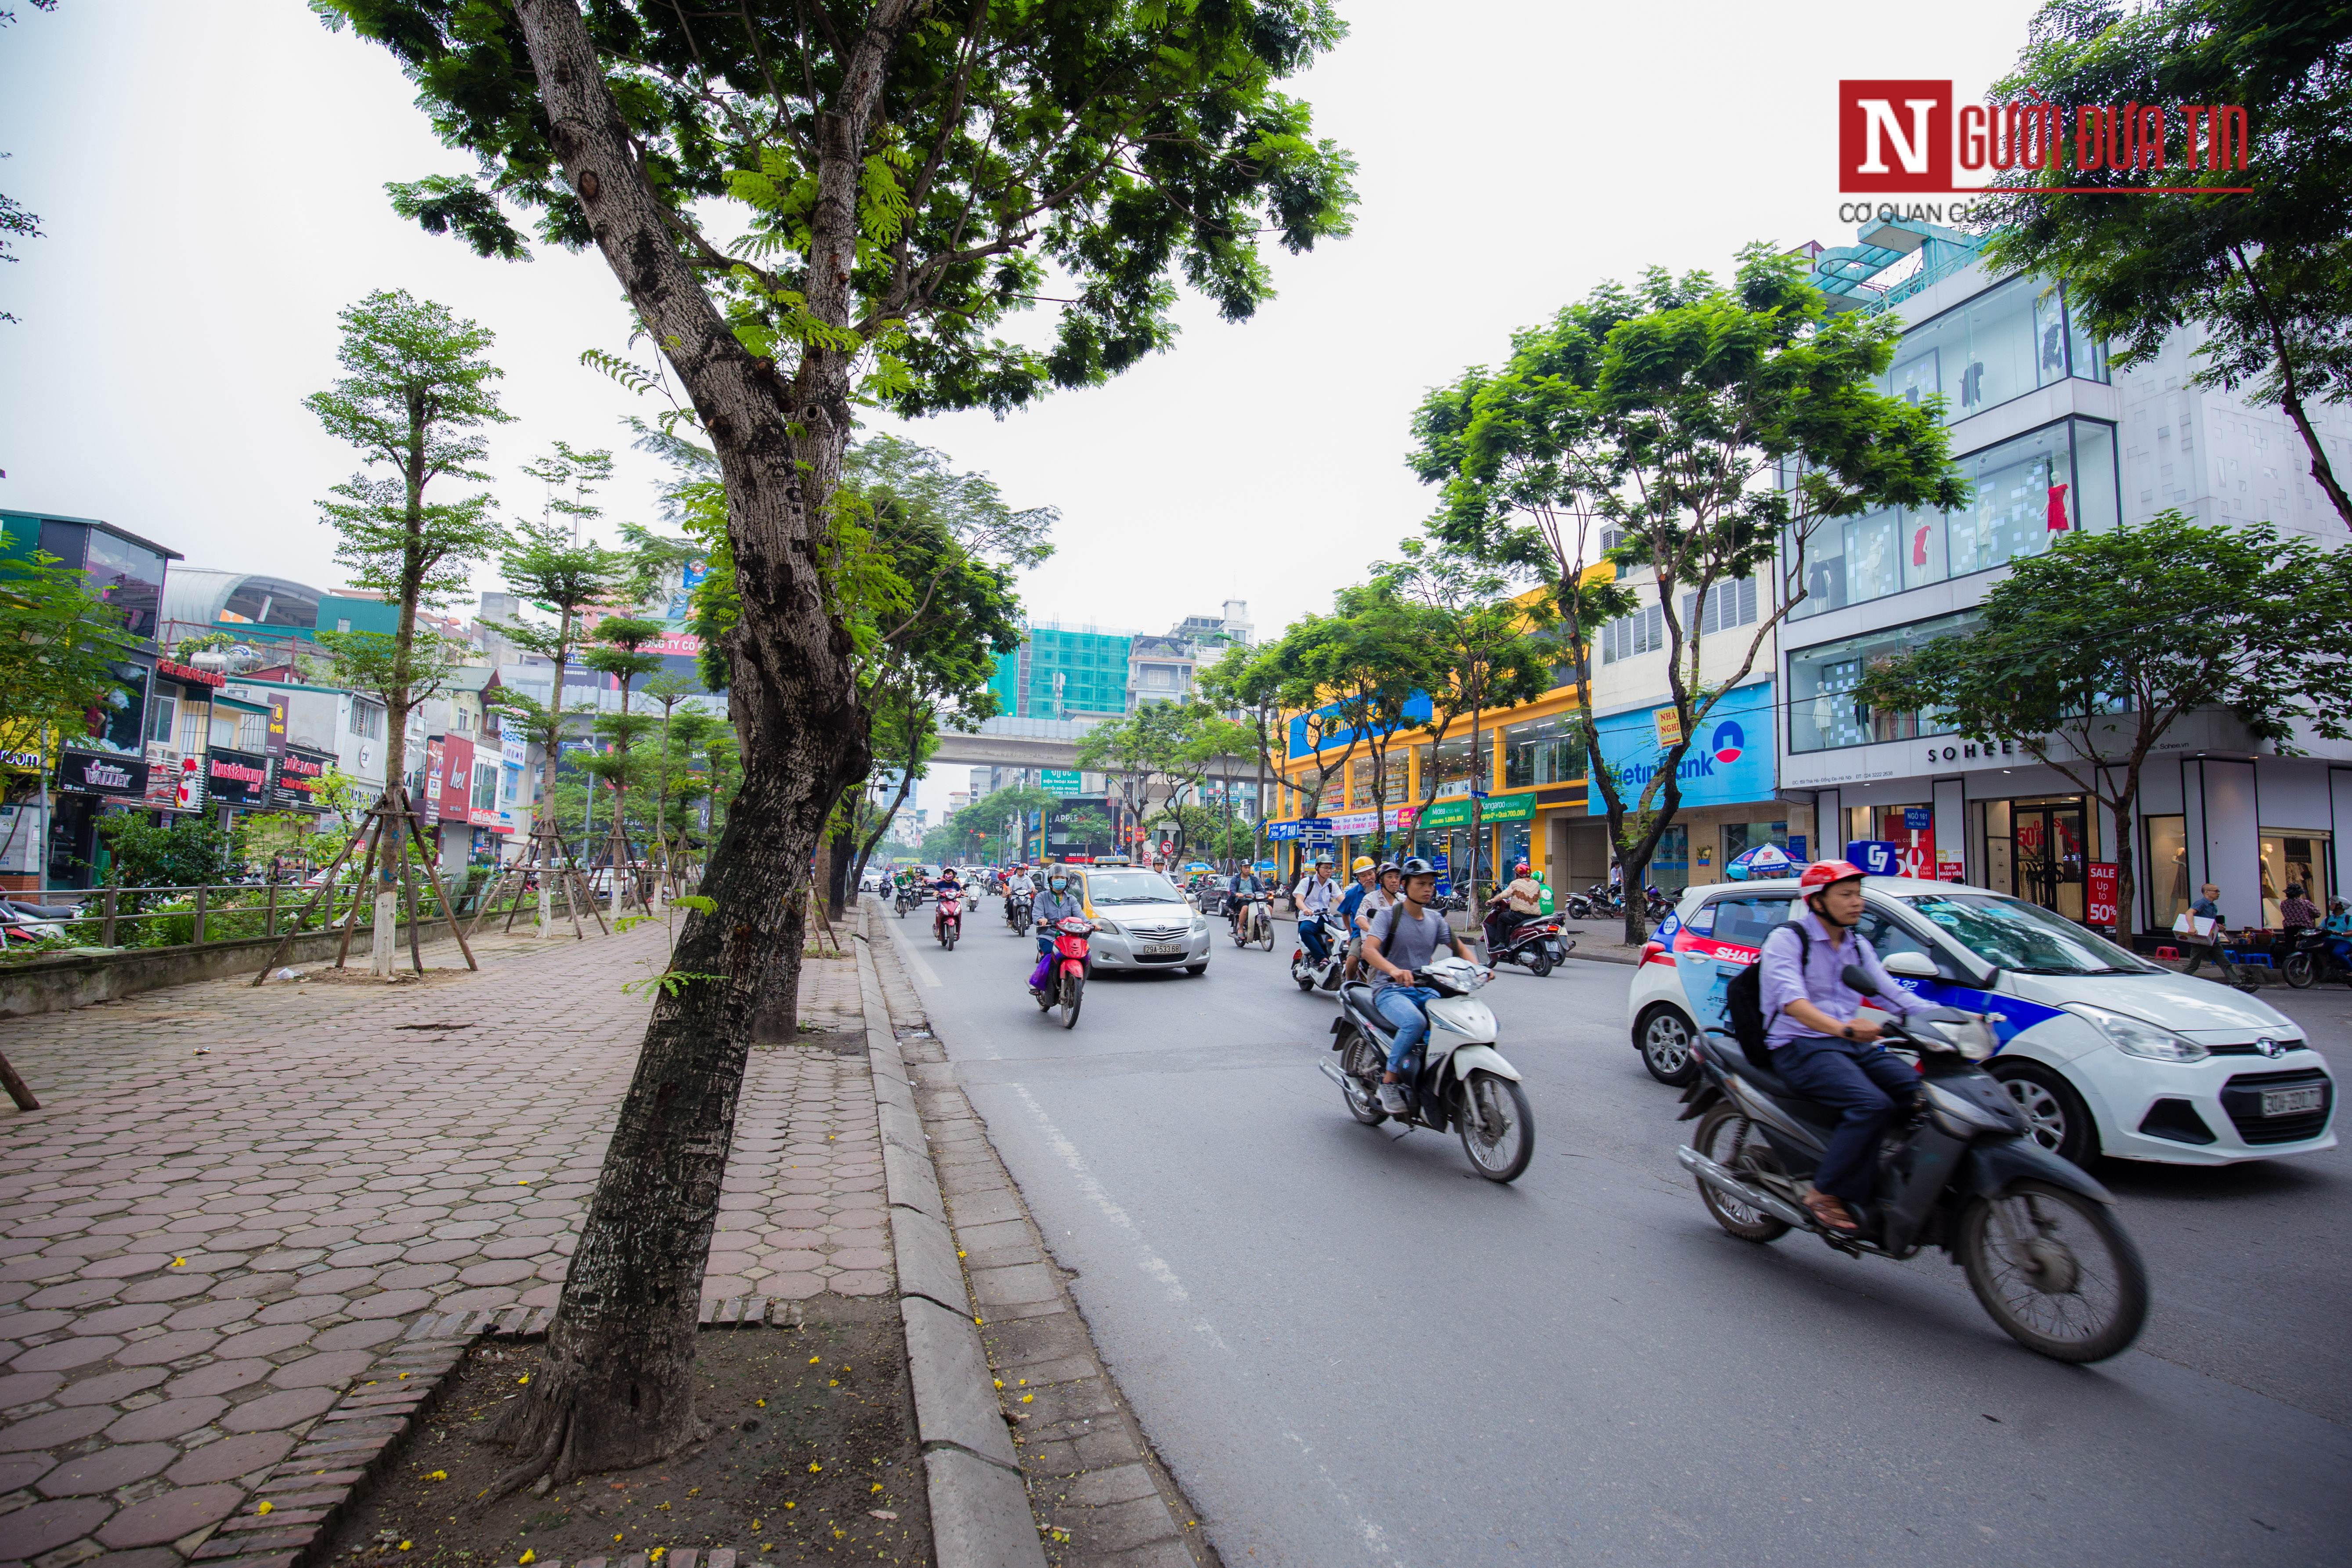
x=2245, y=959
x=2173, y=954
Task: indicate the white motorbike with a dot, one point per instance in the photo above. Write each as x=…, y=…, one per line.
x=1323, y=976
x=1454, y=1079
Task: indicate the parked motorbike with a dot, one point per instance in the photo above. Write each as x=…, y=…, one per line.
x=2037, y=1238
x=2313, y=959
x=24, y=923
x=1064, y=970
x=1323, y=976
x=947, y=921
x=1455, y=1079
x=1657, y=904
x=1534, y=944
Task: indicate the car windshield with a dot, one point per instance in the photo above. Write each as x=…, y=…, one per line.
x=2025, y=937
x=1132, y=888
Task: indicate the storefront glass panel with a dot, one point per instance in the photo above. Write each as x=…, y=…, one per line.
x=1823, y=713
x=1542, y=751
x=1670, y=864
x=2295, y=858
x=2037, y=850
x=2166, y=870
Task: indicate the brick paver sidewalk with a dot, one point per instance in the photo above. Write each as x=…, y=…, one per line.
x=233, y=1200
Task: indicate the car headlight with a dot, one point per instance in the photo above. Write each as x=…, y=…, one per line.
x=2137, y=1036
x=1200, y=925
x=1109, y=927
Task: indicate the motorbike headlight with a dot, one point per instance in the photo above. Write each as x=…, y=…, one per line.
x=2137, y=1036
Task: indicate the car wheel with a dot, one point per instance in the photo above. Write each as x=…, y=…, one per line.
x=1663, y=1036
x=1196, y=970
x=2056, y=1116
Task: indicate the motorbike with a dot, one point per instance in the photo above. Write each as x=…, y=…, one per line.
x=1323, y=976
x=24, y=923
x=1064, y=970
x=2313, y=959
x=1252, y=924
x=1656, y=906
x=947, y=921
x=1534, y=944
x=2036, y=1236
x=1455, y=1079
x=907, y=898
x=1016, y=913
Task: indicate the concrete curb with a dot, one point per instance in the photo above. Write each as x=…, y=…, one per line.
x=979, y=1504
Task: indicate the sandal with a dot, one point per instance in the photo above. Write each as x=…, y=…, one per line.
x=1830, y=1213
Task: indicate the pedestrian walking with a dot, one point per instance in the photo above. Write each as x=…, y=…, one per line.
x=2205, y=942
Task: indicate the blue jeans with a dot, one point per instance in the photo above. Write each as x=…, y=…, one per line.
x=1401, y=1006
x=1864, y=1086
x=1311, y=935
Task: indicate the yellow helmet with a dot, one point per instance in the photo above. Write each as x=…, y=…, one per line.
x=1364, y=863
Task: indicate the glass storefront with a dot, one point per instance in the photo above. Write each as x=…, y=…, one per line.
x=1542, y=751
x=2294, y=856
x=2166, y=869
x=2003, y=343
x=2029, y=492
x=1451, y=759
x=1824, y=712
x=2037, y=850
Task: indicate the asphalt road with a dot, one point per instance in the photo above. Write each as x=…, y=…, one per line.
x=1350, y=1349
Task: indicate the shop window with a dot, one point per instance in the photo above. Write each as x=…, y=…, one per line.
x=2295, y=858
x=1739, y=838
x=1824, y=712
x=118, y=720
x=2166, y=869
x=1670, y=862
x=2006, y=341
x=2027, y=493
x=1542, y=751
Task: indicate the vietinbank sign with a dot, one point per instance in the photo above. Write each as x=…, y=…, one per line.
x=1731, y=762
x=1914, y=138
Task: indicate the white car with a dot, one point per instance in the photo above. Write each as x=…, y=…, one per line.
x=2104, y=1052
x=1141, y=921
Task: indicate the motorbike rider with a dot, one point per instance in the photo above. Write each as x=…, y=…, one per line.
x=950, y=886
x=2337, y=927
x=1059, y=900
x=1521, y=901
x=1401, y=939
x=1316, y=893
x=1365, y=882
x=1240, y=889
x=1821, y=1047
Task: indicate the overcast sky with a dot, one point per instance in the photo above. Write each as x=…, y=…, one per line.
x=210, y=181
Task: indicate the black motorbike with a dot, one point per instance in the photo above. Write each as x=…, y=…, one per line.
x=907, y=897
x=1534, y=944
x=1016, y=913
x=1658, y=905
x=2037, y=1238
x=2314, y=961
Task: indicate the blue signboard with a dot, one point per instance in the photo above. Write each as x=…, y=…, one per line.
x=1307, y=829
x=1731, y=762
x=1918, y=818
x=1797, y=847
x=1877, y=856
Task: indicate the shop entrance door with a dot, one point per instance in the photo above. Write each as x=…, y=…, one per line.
x=2049, y=854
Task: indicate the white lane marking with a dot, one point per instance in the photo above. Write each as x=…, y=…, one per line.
x=1376, y=1540
x=1150, y=1262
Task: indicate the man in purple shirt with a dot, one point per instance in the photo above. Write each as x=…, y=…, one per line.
x=1821, y=1047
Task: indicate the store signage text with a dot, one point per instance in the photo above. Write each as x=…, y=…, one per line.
x=1964, y=750
x=1910, y=135
x=101, y=774
x=189, y=675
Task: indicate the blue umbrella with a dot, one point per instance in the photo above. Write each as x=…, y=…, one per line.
x=1764, y=860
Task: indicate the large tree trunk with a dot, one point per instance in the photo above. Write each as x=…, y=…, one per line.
x=616, y=1391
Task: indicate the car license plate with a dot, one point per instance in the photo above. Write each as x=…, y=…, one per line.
x=2292, y=1101
x=1178, y=947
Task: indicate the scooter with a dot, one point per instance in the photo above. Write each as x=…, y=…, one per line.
x=907, y=899
x=1534, y=944
x=1454, y=1079
x=947, y=923
x=1323, y=976
x=2037, y=1238
x=2313, y=961
x=1061, y=977
x=1016, y=914
x=1252, y=924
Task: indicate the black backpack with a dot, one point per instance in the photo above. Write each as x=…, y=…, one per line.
x=1743, y=1002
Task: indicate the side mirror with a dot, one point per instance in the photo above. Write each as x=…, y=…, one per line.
x=1857, y=979
x=1913, y=965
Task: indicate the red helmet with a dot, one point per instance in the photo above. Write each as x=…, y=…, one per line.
x=1521, y=867
x=1822, y=873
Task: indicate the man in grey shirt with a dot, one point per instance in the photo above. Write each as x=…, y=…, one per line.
x=1821, y=1047
x=1401, y=938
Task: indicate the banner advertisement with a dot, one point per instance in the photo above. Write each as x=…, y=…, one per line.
x=2099, y=906
x=97, y=773
x=298, y=773
x=434, y=759
x=236, y=778
x=274, y=736
x=457, y=779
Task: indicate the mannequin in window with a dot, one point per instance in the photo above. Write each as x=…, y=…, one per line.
x=2053, y=351
x=1972, y=383
x=2058, y=523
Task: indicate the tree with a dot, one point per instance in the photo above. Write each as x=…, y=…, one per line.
x=1147, y=755
x=1482, y=648
x=416, y=397
x=59, y=646
x=1364, y=667
x=906, y=179
x=683, y=735
x=620, y=653
x=1243, y=690
x=1667, y=414
x=2089, y=654
x=2268, y=272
